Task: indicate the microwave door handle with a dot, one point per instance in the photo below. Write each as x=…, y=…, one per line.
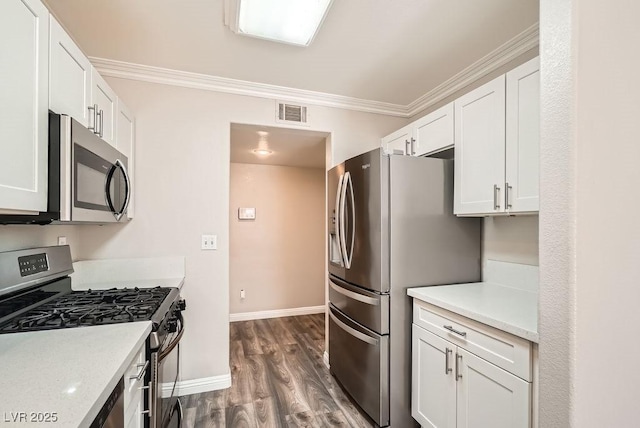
x=107, y=189
x=127, y=190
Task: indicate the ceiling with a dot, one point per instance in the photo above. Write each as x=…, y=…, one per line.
x=290, y=147
x=380, y=50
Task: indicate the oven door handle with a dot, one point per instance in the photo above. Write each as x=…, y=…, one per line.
x=163, y=353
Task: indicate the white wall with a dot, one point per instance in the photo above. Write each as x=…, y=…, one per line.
x=182, y=175
x=278, y=258
x=511, y=239
x=590, y=239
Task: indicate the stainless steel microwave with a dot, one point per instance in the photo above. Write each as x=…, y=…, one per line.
x=88, y=178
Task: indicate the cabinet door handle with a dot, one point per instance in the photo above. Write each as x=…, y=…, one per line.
x=407, y=149
x=93, y=113
x=101, y=122
x=508, y=188
x=413, y=148
x=453, y=330
x=447, y=369
x=458, y=364
x=496, y=197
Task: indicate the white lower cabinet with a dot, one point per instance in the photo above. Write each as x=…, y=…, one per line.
x=134, y=390
x=454, y=388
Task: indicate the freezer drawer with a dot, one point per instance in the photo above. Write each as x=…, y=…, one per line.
x=365, y=307
x=359, y=359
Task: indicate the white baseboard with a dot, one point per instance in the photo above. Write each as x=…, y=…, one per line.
x=196, y=386
x=325, y=359
x=246, y=316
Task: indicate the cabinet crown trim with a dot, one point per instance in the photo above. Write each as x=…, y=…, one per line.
x=510, y=50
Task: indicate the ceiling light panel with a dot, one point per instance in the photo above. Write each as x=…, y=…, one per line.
x=289, y=21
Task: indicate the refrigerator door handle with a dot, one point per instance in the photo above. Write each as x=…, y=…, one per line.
x=341, y=231
x=337, y=214
x=353, y=219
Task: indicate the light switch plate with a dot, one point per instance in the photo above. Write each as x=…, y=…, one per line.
x=246, y=213
x=209, y=242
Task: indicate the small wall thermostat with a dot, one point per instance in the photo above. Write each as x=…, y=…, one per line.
x=246, y=213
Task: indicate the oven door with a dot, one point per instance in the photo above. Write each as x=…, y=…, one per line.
x=100, y=184
x=166, y=407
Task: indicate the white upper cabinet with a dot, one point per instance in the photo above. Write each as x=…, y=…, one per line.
x=433, y=132
x=24, y=91
x=105, y=102
x=125, y=143
x=70, y=78
x=497, y=140
x=480, y=149
x=523, y=137
x=429, y=134
x=398, y=141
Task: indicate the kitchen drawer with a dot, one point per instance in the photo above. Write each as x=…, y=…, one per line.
x=496, y=346
x=131, y=383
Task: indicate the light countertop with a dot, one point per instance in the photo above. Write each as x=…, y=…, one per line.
x=131, y=283
x=509, y=309
x=70, y=371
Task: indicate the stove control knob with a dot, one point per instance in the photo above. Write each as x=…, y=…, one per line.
x=172, y=325
x=182, y=305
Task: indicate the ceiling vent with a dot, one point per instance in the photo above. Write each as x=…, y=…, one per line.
x=291, y=113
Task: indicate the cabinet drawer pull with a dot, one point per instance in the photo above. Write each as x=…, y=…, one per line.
x=453, y=330
x=447, y=369
x=458, y=364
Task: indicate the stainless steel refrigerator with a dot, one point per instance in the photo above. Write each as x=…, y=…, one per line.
x=391, y=226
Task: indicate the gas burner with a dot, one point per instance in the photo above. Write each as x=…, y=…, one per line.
x=91, y=307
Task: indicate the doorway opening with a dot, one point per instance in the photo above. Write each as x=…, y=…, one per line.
x=277, y=221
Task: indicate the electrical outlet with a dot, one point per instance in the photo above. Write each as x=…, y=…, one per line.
x=62, y=240
x=209, y=242
x=242, y=295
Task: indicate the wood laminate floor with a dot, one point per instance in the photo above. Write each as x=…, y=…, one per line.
x=278, y=380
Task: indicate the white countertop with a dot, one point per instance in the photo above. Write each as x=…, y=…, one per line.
x=509, y=309
x=70, y=372
x=131, y=283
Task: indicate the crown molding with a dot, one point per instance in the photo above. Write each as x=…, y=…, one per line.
x=509, y=51
x=185, y=79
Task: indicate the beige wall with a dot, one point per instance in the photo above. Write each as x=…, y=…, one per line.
x=14, y=237
x=511, y=239
x=182, y=176
x=278, y=258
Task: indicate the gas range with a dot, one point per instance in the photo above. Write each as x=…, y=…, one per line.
x=36, y=294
